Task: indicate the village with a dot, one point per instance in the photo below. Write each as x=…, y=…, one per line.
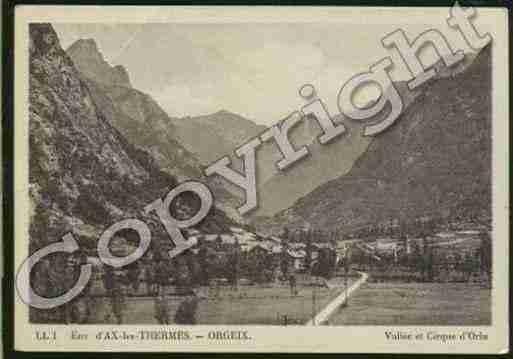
x=294, y=274
x=425, y=249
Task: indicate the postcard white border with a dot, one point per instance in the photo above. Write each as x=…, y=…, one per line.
x=352, y=339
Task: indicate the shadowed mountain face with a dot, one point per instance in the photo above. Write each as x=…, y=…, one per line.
x=143, y=122
x=140, y=119
x=324, y=163
x=182, y=146
x=83, y=173
x=435, y=160
x=135, y=114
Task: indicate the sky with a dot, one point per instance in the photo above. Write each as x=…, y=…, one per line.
x=253, y=69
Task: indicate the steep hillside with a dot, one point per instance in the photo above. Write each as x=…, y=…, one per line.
x=325, y=163
x=436, y=159
x=143, y=122
x=135, y=114
x=83, y=173
x=181, y=146
x=140, y=119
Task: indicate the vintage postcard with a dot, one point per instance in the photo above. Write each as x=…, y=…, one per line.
x=261, y=179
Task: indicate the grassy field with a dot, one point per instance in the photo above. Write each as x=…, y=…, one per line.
x=248, y=305
x=417, y=304
x=264, y=305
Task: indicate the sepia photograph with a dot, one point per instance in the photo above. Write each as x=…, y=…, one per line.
x=264, y=172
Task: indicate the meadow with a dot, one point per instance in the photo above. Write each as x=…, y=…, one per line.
x=252, y=304
x=417, y=304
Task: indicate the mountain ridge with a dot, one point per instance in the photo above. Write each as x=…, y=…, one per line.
x=88, y=50
x=215, y=135
x=83, y=173
x=145, y=124
x=435, y=160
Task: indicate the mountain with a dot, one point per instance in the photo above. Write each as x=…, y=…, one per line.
x=213, y=136
x=182, y=146
x=143, y=122
x=135, y=114
x=189, y=142
x=435, y=160
x=84, y=174
x=94, y=66
x=325, y=162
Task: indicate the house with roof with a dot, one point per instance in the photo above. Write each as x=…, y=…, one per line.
x=315, y=247
x=212, y=241
x=228, y=239
x=276, y=250
x=228, y=242
x=237, y=230
x=276, y=240
x=296, y=257
x=297, y=245
x=189, y=232
x=385, y=245
x=245, y=237
x=320, y=245
x=258, y=250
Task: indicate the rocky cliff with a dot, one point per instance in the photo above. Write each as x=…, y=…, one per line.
x=140, y=119
x=133, y=113
x=84, y=174
x=87, y=51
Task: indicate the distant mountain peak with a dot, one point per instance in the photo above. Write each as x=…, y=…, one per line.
x=87, y=43
x=227, y=115
x=216, y=134
x=224, y=112
x=86, y=48
x=90, y=62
